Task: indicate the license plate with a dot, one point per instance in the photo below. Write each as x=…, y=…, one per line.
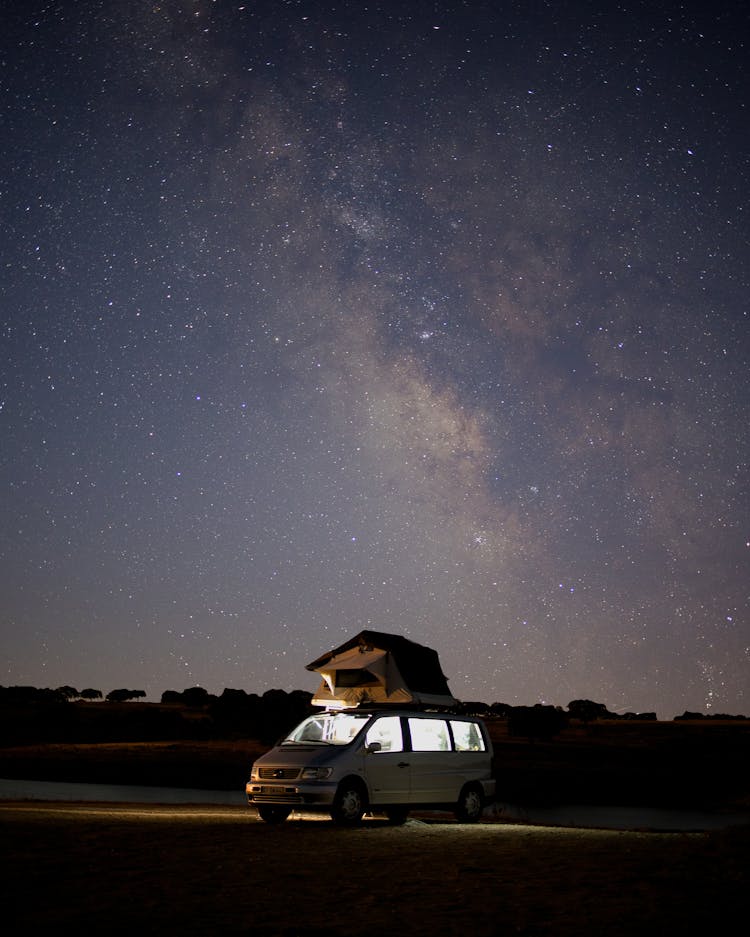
x=274, y=790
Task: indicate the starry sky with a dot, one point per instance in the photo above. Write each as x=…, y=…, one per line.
x=424, y=317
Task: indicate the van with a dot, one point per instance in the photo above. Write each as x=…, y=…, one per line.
x=355, y=761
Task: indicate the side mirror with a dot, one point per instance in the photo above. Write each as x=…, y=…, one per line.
x=373, y=747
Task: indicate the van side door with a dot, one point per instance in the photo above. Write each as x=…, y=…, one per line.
x=387, y=770
x=433, y=776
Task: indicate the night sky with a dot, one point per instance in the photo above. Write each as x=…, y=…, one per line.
x=424, y=317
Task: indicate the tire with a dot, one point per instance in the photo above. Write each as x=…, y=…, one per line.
x=397, y=815
x=470, y=805
x=273, y=813
x=349, y=805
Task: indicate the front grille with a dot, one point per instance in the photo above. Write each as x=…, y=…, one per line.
x=278, y=774
x=275, y=799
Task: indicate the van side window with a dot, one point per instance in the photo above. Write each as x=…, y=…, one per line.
x=429, y=735
x=467, y=737
x=387, y=731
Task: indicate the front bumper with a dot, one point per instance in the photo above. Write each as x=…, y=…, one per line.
x=314, y=794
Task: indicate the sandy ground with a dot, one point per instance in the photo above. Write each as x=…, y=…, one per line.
x=203, y=870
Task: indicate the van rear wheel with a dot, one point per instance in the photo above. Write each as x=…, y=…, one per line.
x=470, y=806
x=349, y=804
x=273, y=813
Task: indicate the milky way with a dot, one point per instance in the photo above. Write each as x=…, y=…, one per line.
x=429, y=318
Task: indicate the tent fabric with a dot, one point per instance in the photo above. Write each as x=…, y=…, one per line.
x=375, y=667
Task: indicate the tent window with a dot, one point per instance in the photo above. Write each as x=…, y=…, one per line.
x=429, y=735
x=352, y=678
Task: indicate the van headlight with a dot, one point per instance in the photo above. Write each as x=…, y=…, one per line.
x=316, y=774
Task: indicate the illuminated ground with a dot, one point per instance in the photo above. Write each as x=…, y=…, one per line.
x=120, y=869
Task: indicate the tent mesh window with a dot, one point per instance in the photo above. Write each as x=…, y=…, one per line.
x=352, y=678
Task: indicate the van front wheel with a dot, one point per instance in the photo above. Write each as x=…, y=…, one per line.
x=349, y=804
x=470, y=806
x=273, y=813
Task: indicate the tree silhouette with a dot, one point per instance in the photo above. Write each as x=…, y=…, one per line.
x=195, y=696
x=90, y=693
x=171, y=696
x=588, y=711
x=68, y=692
x=122, y=696
x=536, y=722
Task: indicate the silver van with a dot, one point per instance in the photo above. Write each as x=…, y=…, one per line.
x=356, y=761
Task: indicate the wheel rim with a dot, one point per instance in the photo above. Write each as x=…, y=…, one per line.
x=351, y=804
x=472, y=804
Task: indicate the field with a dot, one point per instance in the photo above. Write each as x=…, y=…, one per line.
x=122, y=869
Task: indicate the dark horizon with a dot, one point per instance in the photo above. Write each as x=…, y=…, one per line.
x=189, y=698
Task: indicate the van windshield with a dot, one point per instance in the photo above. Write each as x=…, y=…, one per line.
x=327, y=729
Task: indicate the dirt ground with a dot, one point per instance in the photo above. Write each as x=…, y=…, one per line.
x=127, y=869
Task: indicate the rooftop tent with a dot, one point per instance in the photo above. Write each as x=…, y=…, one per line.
x=374, y=667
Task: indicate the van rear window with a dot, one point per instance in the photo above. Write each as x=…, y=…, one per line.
x=432, y=735
x=467, y=737
x=429, y=735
